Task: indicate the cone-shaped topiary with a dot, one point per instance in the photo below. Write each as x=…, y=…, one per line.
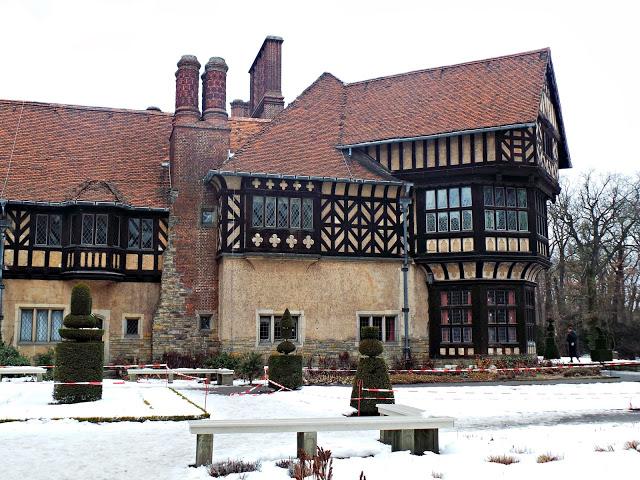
x=286, y=369
x=372, y=373
x=80, y=355
x=550, y=346
x=602, y=352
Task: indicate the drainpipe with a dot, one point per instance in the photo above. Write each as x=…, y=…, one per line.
x=405, y=201
x=3, y=225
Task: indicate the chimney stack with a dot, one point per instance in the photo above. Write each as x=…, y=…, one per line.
x=187, y=89
x=240, y=108
x=266, y=72
x=214, y=90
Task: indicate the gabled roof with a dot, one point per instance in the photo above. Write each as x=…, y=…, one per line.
x=242, y=129
x=301, y=140
x=312, y=135
x=65, y=153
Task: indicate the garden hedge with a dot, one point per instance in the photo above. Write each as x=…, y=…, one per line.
x=286, y=370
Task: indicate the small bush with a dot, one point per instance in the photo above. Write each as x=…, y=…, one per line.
x=10, y=357
x=46, y=358
x=286, y=370
x=548, y=457
x=608, y=448
x=251, y=366
x=327, y=362
x=223, y=360
x=631, y=445
x=318, y=467
x=401, y=363
x=285, y=463
x=227, y=467
x=503, y=459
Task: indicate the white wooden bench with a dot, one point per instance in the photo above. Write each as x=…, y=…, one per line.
x=23, y=371
x=224, y=376
x=307, y=430
x=408, y=439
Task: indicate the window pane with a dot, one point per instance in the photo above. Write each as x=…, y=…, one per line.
x=26, y=324
x=257, y=217
x=488, y=196
x=502, y=334
x=492, y=335
x=512, y=220
x=501, y=297
x=442, y=198
x=277, y=328
x=467, y=220
x=522, y=198
x=55, y=229
x=499, y=198
x=205, y=322
x=430, y=199
x=390, y=329
x=294, y=205
x=377, y=322
x=455, y=335
x=307, y=213
x=208, y=217
x=431, y=222
x=501, y=220
x=42, y=325
x=87, y=229
x=446, y=335
x=523, y=221
x=364, y=322
x=511, y=197
x=270, y=212
x=454, y=198
x=41, y=230
x=512, y=334
x=134, y=233
x=294, y=328
x=132, y=326
x=455, y=316
x=283, y=212
x=489, y=220
x=147, y=233
x=444, y=317
x=454, y=218
x=56, y=324
x=101, y=229
x=501, y=315
x=265, y=325
x=466, y=335
x=443, y=222
x=466, y=196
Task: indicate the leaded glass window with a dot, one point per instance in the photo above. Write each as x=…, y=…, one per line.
x=501, y=316
x=466, y=196
x=467, y=220
x=449, y=217
x=270, y=212
x=514, y=215
x=431, y=222
x=55, y=229
x=56, y=324
x=442, y=199
x=501, y=220
x=283, y=212
x=101, y=229
x=26, y=325
x=134, y=233
x=265, y=329
x=454, y=217
x=42, y=325
x=295, y=212
x=87, y=229
x=307, y=214
x=454, y=198
x=41, y=229
x=443, y=222
x=257, y=215
x=386, y=325
x=430, y=198
x=489, y=220
x=147, y=233
x=132, y=327
x=455, y=316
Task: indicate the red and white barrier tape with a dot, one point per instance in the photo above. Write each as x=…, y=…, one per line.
x=147, y=365
x=378, y=390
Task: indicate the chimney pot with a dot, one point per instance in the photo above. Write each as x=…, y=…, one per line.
x=187, y=89
x=266, y=99
x=214, y=90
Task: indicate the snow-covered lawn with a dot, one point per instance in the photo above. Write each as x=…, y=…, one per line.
x=523, y=421
x=33, y=400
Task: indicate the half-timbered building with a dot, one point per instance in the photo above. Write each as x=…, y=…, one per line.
x=196, y=229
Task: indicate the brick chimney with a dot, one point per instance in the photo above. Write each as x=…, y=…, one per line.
x=214, y=91
x=266, y=74
x=187, y=90
x=240, y=108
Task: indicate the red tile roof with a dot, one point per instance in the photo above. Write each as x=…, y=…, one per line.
x=302, y=140
x=242, y=129
x=65, y=152
x=487, y=93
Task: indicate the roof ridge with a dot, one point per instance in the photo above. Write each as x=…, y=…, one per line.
x=455, y=65
x=83, y=107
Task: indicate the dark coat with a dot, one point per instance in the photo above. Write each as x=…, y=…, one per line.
x=572, y=342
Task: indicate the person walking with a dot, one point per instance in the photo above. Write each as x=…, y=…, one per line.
x=572, y=344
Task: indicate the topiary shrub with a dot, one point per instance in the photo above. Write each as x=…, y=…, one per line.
x=372, y=373
x=601, y=352
x=286, y=369
x=550, y=347
x=80, y=355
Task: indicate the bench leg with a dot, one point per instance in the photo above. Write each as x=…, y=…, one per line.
x=38, y=377
x=170, y=379
x=132, y=377
x=386, y=436
x=204, y=449
x=402, y=440
x=308, y=442
x=225, y=379
x=426, y=440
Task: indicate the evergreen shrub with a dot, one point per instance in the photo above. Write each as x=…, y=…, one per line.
x=550, y=346
x=79, y=356
x=251, y=366
x=601, y=352
x=10, y=357
x=372, y=372
x=286, y=369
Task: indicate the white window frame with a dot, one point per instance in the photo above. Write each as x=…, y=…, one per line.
x=132, y=316
x=278, y=313
x=380, y=313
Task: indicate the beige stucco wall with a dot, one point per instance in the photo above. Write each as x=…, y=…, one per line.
x=327, y=293
x=111, y=300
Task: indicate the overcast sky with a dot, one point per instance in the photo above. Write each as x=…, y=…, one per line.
x=118, y=53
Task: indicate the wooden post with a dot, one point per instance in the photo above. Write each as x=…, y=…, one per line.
x=426, y=440
x=170, y=377
x=38, y=377
x=204, y=449
x=308, y=442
